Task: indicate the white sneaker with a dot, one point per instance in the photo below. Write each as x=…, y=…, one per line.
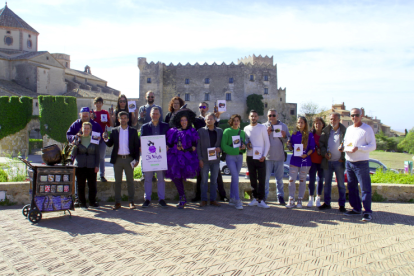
x=291, y=203
x=310, y=203
x=318, y=201
x=262, y=204
x=238, y=204
x=232, y=202
x=253, y=203
x=299, y=204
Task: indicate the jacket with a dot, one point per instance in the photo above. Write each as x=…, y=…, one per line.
x=204, y=143
x=86, y=157
x=146, y=129
x=76, y=127
x=133, y=141
x=323, y=143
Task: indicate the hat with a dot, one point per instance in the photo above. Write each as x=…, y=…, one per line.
x=175, y=121
x=84, y=109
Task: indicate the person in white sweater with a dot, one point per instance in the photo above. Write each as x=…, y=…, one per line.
x=359, y=141
x=258, y=146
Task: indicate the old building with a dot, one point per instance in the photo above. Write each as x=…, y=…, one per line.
x=204, y=82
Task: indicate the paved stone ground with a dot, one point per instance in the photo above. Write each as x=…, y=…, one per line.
x=208, y=241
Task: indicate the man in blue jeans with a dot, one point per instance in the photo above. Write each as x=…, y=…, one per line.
x=359, y=141
x=276, y=156
x=334, y=160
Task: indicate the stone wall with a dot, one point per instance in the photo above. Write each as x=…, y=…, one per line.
x=18, y=143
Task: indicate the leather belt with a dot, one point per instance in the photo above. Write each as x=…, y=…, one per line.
x=123, y=156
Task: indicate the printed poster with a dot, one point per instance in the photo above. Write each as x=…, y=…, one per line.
x=132, y=106
x=95, y=137
x=297, y=149
x=104, y=118
x=277, y=131
x=154, y=153
x=236, y=141
x=212, y=155
x=221, y=104
x=257, y=152
x=349, y=146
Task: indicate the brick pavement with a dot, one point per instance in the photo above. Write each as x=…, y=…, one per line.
x=208, y=241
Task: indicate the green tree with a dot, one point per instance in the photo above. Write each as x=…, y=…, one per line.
x=408, y=143
x=384, y=142
x=15, y=113
x=254, y=101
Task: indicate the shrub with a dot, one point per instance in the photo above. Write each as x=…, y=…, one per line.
x=3, y=176
x=58, y=113
x=376, y=197
x=391, y=177
x=15, y=114
x=137, y=172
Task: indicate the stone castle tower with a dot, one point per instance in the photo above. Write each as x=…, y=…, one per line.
x=204, y=82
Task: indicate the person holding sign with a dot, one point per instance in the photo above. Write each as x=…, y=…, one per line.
x=155, y=127
x=233, y=144
x=123, y=106
x=102, y=117
x=182, y=156
x=303, y=144
x=257, y=150
x=208, y=151
x=86, y=156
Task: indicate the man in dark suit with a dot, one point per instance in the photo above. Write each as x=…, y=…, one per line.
x=126, y=150
x=154, y=127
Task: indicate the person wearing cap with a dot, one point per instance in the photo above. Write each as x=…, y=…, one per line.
x=102, y=117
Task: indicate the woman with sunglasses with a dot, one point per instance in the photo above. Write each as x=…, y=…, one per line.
x=300, y=163
x=123, y=106
x=175, y=104
x=316, y=167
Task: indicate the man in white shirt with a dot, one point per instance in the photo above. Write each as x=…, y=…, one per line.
x=258, y=145
x=358, y=142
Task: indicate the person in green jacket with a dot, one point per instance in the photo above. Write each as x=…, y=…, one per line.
x=233, y=144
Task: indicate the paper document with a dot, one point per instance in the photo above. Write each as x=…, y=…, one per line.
x=277, y=131
x=349, y=146
x=236, y=141
x=222, y=106
x=95, y=137
x=212, y=155
x=297, y=149
x=257, y=152
x=132, y=106
x=133, y=162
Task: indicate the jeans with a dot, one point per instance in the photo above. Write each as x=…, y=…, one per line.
x=338, y=168
x=214, y=168
x=220, y=185
x=102, y=151
x=316, y=168
x=234, y=163
x=120, y=166
x=359, y=172
x=257, y=172
x=293, y=174
x=82, y=175
x=278, y=167
x=148, y=185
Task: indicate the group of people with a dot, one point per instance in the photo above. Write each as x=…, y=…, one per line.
x=192, y=140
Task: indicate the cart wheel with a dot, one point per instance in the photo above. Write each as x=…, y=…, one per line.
x=35, y=216
x=25, y=210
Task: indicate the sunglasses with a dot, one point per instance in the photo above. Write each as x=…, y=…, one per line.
x=122, y=101
x=354, y=115
x=150, y=97
x=271, y=115
x=202, y=106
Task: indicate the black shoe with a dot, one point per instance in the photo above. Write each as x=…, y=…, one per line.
x=103, y=179
x=146, y=204
x=95, y=205
x=352, y=212
x=196, y=199
x=367, y=217
x=282, y=201
x=325, y=207
x=162, y=203
x=342, y=209
x=84, y=207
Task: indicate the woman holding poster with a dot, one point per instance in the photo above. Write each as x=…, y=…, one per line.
x=123, y=106
x=303, y=144
x=182, y=156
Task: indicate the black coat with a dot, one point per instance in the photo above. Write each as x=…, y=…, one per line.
x=133, y=141
x=146, y=129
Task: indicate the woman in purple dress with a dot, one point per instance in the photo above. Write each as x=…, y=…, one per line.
x=300, y=163
x=182, y=151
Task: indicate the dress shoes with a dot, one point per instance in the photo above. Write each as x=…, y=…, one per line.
x=214, y=203
x=131, y=205
x=116, y=206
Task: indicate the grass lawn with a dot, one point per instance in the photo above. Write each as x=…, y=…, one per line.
x=394, y=160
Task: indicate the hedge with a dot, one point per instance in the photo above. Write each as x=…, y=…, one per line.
x=15, y=113
x=58, y=113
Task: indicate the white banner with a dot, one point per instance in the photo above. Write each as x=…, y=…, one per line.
x=154, y=153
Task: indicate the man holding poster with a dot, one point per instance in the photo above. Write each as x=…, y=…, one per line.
x=208, y=149
x=154, y=152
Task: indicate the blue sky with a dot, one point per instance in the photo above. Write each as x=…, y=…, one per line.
x=357, y=52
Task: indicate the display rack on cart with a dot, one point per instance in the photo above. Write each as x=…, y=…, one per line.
x=51, y=188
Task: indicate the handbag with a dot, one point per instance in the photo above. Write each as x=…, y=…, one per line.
x=223, y=154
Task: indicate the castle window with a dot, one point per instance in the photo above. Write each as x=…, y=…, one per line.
x=47, y=58
x=206, y=96
x=37, y=104
x=265, y=105
x=228, y=96
x=187, y=81
x=206, y=80
x=187, y=97
x=148, y=80
x=8, y=32
x=8, y=40
x=292, y=112
x=266, y=90
x=231, y=80
x=29, y=44
x=266, y=78
x=66, y=64
x=29, y=36
x=251, y=78
x=281, y=99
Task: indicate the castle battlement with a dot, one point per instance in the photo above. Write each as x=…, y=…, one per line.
x=258, y=62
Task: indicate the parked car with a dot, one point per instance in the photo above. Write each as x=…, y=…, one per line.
x=223, y=168
x=374, y=165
